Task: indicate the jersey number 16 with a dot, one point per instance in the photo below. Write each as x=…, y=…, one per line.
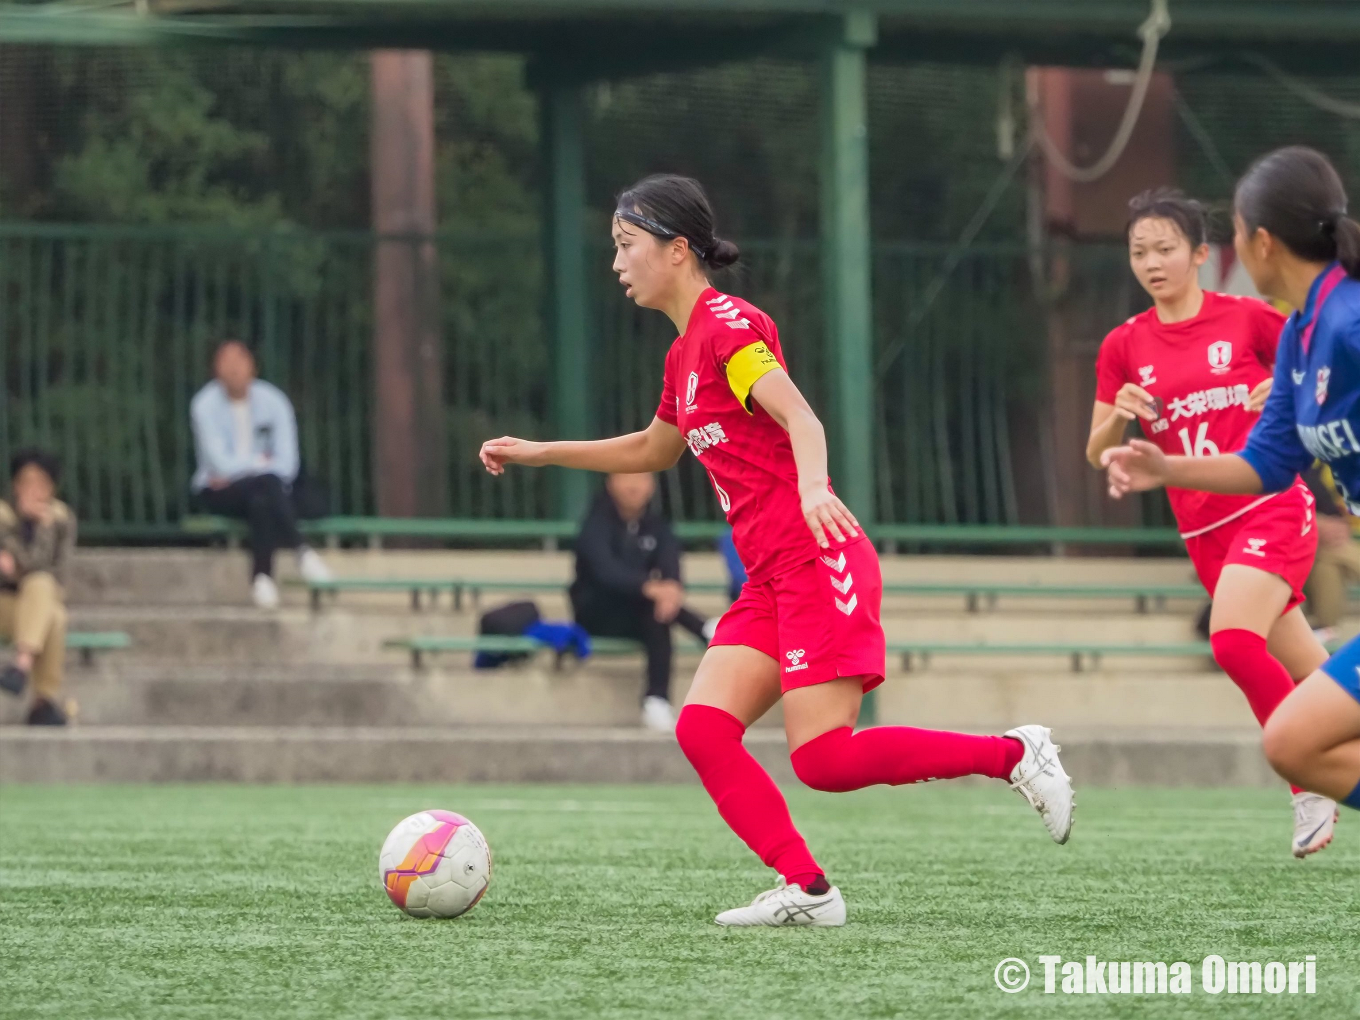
x=1203, y=446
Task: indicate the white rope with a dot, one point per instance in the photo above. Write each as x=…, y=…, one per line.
x=1158, y=23
x=1303, y=90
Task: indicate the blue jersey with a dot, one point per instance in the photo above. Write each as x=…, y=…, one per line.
x=1314, y=408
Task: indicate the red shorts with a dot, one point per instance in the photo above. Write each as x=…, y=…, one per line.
x=818, y=620
x=1278, y=536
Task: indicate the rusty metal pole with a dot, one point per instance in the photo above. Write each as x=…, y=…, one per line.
x=410, y=463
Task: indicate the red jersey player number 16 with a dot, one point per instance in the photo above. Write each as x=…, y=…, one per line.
x=1194, y=371
x=805, y=627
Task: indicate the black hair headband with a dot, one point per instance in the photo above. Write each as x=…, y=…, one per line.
x=1331, y=221
x=653, y=227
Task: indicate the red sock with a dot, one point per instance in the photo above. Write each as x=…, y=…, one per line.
x=841, y=760
x=1243, y=655
x=744, y=793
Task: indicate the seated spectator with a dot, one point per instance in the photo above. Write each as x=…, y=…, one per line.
x=1338, y=555
x=37, y=540
x=628, y=583
x=245, y=437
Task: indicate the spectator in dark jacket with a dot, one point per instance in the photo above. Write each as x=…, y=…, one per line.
x=628, y=583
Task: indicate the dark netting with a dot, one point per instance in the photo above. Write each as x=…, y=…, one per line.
x=1225, y=120
x=154, y=199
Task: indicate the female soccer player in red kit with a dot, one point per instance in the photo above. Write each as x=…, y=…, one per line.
x=806, y=625
x=1195, y=371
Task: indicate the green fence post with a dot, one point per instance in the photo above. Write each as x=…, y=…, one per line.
x=845, y=256
x=564, y=151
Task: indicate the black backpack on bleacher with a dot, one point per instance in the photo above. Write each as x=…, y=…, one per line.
x=509, y=620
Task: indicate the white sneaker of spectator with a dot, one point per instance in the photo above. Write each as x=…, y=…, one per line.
x=657, y=715
x=265, y=592
x=311, y=566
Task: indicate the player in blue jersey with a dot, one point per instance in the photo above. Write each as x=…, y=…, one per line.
x=1295, y=239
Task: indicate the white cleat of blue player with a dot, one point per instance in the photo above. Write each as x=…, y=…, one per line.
x=1041, y=780
x=1314, y=821
x=788, y=906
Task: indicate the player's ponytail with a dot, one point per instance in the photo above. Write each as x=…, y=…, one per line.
x=1348, y=244
x=723, y=254
x=1296, y=195
x=669, y=206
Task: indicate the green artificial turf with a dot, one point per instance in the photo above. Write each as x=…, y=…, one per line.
x=260, y=902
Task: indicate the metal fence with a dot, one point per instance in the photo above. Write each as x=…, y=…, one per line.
x=107, y=332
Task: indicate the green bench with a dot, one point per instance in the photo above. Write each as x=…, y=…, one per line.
x=375, y=530
x=1080, y=654
x=89, y=642
x=1145, y=596
x=419, y=647
x=421, y=587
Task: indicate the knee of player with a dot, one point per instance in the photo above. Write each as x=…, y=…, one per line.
x=706, y=734
x=1283, y=747
x=820, y=763
x=1233, y=648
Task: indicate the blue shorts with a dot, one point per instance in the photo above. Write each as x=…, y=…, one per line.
x=1344, y=668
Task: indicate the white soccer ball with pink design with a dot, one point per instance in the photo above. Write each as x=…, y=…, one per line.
x=435, y=864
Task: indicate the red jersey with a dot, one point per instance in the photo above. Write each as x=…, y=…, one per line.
x=728, y=345
x=1201, y=372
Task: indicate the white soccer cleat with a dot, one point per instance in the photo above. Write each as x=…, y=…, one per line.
x=312, y=567
x=787, y=906
x=1314, y=822
x=265, y=592
x=1041, y=780
x=657, y=715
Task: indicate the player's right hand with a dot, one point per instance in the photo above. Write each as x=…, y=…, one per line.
x=496, y=453
x=1135, y=402
x=827, y=516
x=1138, y=467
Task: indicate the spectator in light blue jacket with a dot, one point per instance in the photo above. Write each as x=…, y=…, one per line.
x=245, y=439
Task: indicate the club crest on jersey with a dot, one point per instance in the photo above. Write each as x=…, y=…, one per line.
x=690, y=390
x=1220, y=356
x=795, y=656
x=1323, y=378
x=1149, y=375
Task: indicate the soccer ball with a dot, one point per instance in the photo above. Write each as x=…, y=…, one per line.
x=435, y=864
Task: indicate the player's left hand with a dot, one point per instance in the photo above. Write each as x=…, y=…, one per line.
x=1138, y=467
x=827, y=515
x=1257, y=400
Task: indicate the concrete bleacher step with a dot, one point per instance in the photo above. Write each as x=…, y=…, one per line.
x=352, y=633
x=220, y=576
x=372, y=754
x=601, y=694
x=953, y=694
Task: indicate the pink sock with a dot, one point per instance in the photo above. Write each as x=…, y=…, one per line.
x=841, y=760
x=1243, y=655
x=744, y=793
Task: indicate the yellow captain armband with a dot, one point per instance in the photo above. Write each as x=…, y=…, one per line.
x=745, y=367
